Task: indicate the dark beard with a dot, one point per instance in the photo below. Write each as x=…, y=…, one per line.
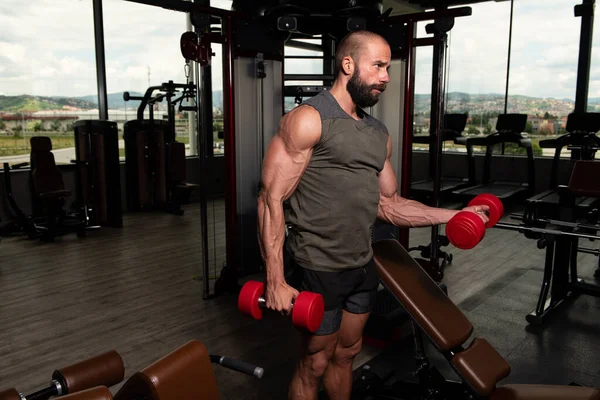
x=361, y=93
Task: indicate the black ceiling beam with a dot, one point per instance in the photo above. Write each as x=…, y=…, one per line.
x=186, y=6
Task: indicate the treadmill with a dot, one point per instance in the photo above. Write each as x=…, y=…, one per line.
x=509, y=128
x=454, y=125
x=581, y=139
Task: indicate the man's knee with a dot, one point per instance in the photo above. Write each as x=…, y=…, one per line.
x=314, y=365
x=346, y=352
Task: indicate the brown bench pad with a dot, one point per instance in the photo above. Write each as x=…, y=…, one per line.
x=545, y=392
x=422, y=298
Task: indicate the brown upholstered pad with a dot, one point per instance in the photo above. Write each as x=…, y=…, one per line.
x=545, y=392
x=585, y=179
x=97, y=393
x=422, y=298
x=106, y=369
x=481, y=366
x=9, y=394
x=176, y=160
x=40, y=143
x=185, y=373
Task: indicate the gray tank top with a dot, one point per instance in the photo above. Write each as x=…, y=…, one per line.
x=335, y=204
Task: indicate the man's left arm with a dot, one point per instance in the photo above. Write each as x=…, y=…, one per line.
x=402, y=212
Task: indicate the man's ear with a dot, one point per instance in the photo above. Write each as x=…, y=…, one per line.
x=348, y=65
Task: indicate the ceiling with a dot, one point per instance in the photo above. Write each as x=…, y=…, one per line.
x=411, y=6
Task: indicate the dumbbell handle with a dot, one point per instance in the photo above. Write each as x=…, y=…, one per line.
x=262, y=302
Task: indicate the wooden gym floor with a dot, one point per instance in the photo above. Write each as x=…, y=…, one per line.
x=137, y=290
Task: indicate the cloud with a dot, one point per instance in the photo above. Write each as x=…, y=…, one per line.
x=47, y=48
x=544, y=51
x=41, y=55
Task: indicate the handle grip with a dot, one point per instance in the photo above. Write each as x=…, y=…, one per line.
x=262, y=302
x=238, y=365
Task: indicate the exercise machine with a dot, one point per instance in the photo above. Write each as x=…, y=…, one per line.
x=185, y=373
x=559, y=235
x=452, y=128
x=106, y=369
x=155, y=166
x=479, y=366
x=20, y=223
x=98, y=172
x=48, y=217
x=509, y=129
x=581, y=139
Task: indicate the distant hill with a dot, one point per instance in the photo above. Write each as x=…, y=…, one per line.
x=27, y=103
x=457, y=102
x=115, y=100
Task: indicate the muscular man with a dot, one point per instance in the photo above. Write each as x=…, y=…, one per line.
x=332, y=161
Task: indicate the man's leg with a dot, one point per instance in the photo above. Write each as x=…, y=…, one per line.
x=338, y=376
x=318, y=350
x=357, y=308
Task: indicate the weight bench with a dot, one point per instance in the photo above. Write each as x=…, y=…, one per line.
x=479, y=365
x=185, y=373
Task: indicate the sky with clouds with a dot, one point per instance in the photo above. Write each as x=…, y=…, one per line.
x=47, y=48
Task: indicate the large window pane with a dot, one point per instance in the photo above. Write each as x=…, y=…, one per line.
x=140, y=54
x=543, y=70
x=422, y=104
x=47, y=74
x=476, y=66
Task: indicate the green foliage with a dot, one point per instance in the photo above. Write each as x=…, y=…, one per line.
x=514, y=149
x=2, y=125
x=55, y=125
x=487, y=129
x=472, y=130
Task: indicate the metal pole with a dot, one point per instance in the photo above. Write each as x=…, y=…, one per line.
x=586, y=12
x=407, y=137
x=437, y=115
x=192, y=129
x=512, y=3
x=230, y=274
x=201, y=128
x=100, y=61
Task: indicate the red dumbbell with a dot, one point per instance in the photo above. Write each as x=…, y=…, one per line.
x=307, y=307
x=466, y=229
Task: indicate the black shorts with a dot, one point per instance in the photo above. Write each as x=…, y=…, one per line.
x=353, y=290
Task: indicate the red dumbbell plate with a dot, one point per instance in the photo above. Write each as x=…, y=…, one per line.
x=465, y=230
x=308, y=311
x=248, y=299
x=495, y=204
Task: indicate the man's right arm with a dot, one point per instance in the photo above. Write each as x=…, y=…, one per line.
x=284, y=164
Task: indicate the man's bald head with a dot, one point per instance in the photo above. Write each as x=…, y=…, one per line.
x=352, y=46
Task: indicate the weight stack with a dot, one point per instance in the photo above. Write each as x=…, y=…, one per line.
x=145, y=168
x=98, y=171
